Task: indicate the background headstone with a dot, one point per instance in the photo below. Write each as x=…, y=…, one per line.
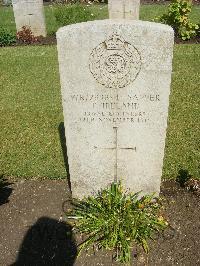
x=128, y=9
x=30, y=13
x=115, y=78
x=7, y=2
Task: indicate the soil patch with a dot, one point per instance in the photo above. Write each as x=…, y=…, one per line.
x=51, y=40
x=33, y=231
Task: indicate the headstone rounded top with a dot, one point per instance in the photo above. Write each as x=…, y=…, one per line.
x=115, y=22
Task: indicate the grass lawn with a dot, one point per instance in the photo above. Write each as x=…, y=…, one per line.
x=31, y=113
x=31, y=110
x=147, y=12
x=182, y=145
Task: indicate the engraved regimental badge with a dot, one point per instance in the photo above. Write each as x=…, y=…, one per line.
x=115, y=63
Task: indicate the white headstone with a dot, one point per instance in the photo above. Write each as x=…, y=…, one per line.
x=120, y=9
x=115, y=79
x=30, y=13
x=7, y=2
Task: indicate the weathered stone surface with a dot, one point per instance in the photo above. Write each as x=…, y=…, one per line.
x=115, y=78
x=30, y=13
x=120, y=9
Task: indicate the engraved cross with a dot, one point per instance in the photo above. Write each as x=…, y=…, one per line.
x=116, y=148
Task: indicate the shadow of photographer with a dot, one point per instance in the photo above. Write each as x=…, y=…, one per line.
x=48, y=242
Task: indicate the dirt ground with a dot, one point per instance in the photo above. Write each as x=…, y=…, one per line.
x=33, y=230
x=51, y=40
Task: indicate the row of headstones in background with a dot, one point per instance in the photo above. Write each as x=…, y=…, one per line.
x=30, y=13
x=115, y=78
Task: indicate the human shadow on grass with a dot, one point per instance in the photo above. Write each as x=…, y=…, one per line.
x=48, y=242
x=61, y=130
x=5, y=190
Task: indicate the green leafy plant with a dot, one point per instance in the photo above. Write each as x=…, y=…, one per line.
x=117, y=220
x=26, y=36
x=6, y=37
x=71, y=14
x=198, y=30
x=178, y=18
